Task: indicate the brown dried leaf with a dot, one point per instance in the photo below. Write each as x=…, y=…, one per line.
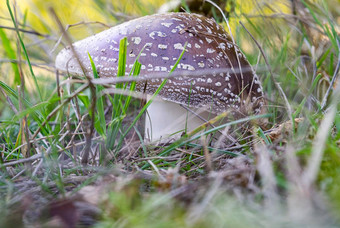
x=284, y=129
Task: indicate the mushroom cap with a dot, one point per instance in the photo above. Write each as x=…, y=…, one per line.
x=213, y=71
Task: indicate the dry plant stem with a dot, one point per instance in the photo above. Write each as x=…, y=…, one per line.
x=9, y=101
x=32, y=141
x=86, y=154
x=144, y=77
x=292, y=166
x=22, y=78
x=48, y=151
x=69, y=41
x=285, y=17
x=197, y=211
x=38, y=156
x=37, y=167
x=19, y=173
x=277, y=85
x=234, y=141
x=226, y=20
x=58, y=84
x=134, y=94
x=157, y=170
x=92, y=89
x=2, y=149
x=268, y=179
x=189, y=153
x=91, y=128
x=47, y=67
x=21, y=94
x=74, y=25
x=206, y=124
x=23, y=127
x=80, y=89
x=26, y=31
x=222, y=138
x=303, y=86
x=24, y=160
x=94, y=153
x=199, y=161
x=232, y=38
x=132, y=144
x=68, y=121
x=299, y=200
x=299, y=197
x=40, y=44
x=173, y=158
x=124, y=16
x=74, y=102
x=207, y=155
x=335, y=76
x=71, y=142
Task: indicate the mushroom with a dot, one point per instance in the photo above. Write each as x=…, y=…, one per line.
x=212, y=73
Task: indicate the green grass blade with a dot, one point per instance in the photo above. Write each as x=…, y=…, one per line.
x=6, y=44
x=24, y=49
x=117, y=99
x=136, y=71
x=14, y=93
x=100, y=124
x=315, y=83
x=36, y=114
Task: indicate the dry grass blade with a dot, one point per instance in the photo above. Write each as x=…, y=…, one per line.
x=91, y=86
x=334, y=79
x=198, y=211
x=277, y=85
x=207, y=155
x=313, y=165
x=9, y=101
x=268, y=179
x=80, y=89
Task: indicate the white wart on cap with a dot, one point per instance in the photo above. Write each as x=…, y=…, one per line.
x=227, y=80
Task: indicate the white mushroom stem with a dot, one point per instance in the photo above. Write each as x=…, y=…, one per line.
x=167, y=120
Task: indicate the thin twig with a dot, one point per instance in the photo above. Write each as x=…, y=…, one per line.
x=26, y=31
x=234, y=141
x=335, y=76
x=277, y=85
x=90, y=84
x=83, y=87
x=48, y=152
x=207, y=155
x=268, y=179
x=74, y=25
x=9, y=101
x=38, y=156
x=105, y=81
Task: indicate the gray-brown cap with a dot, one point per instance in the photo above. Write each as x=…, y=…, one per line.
x=221, y=75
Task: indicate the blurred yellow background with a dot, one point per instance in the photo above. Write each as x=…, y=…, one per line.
x=75, y=11
x=109, y=11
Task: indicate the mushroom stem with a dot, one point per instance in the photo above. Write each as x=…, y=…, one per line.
x=167, y=120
